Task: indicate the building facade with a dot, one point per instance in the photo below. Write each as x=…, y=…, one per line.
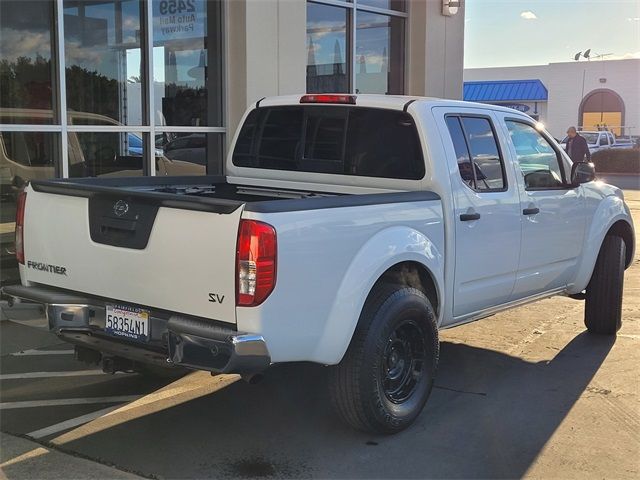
x=157, y=87
x=586, y=94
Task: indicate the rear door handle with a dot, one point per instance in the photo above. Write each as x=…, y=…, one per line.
x=467, y=217
x=530, y=211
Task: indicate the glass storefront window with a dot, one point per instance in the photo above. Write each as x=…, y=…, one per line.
x=97, y=154
x=397, y=5
x=351, y=44
x=187, y=63
x=27, y=71
x=327, y=49
x=102, y=47
x=24, y=156
x=379, y=54
x=187, y=154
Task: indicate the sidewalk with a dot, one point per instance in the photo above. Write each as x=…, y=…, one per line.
x=23, y=459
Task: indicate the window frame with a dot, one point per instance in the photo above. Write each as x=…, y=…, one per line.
x=352, y=7
x=566, y=185
x=505, y=178
x=216, y=36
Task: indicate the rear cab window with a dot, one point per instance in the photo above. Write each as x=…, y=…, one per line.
x=342, y=140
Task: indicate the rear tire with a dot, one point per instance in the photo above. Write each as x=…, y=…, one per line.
x=603, y=307
x=385, y=378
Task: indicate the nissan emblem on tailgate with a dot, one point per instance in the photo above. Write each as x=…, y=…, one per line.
x=120, y=208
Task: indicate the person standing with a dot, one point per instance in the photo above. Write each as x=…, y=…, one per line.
x=577, y=147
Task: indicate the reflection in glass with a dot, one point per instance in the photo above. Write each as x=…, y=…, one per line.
x=379, y=54
x=462, y=153
x=484, y=152
x=326, y=49
x=97, y=154
x=24, y=156
x=186, y=56
x=188, y=154
x=26, y=69
x=398, y=5
x=102, y=54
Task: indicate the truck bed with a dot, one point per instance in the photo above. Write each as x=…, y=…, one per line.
x=216, y=194
x=164, y=242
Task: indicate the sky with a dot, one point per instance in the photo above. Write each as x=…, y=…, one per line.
x=501, y=33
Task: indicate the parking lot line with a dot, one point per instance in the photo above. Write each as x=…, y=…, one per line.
x=30, y=352
x=68, y=401
x=71, y=423
x=72, y=373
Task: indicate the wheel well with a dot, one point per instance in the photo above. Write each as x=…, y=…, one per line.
x=623, y=229
x=416, y=275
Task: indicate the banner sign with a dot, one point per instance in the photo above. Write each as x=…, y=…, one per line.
x=178, y=19
x=521, y=107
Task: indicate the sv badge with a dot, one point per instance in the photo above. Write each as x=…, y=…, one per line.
x=215, y=298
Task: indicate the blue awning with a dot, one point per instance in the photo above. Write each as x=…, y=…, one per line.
x=505, y=91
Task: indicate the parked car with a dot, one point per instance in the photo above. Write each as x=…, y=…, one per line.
x=600, y=140
x=189, y=148
x=348, y=232
x=26, y=156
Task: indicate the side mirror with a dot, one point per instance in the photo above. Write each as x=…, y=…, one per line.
x=582, y=172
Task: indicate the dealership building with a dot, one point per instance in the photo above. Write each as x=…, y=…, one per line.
x=594, y=94
x=158, y=87
x=159, y=70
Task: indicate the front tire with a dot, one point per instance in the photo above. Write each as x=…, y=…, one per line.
x=603, y=306
x=386, y=376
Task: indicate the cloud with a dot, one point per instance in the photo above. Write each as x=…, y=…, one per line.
x=319, y=30
x=633, y=19
x=625, y=56
x=24, y=43
x=528, y=15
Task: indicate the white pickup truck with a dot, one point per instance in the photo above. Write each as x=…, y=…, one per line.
x=601, y=140
x=347, y=232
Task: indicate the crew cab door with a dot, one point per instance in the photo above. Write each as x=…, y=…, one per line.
x=553, y=211
x=486, y=211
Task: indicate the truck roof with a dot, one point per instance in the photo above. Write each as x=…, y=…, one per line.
x=393, y=102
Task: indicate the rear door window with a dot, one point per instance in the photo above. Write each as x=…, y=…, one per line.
x=331, y=139
x=479, y=161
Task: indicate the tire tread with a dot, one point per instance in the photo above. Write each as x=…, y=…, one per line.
x=603, y=302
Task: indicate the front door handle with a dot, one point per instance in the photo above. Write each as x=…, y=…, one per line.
x=467, y=217
x=531, y=211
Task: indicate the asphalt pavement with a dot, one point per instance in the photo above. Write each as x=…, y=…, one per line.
x=526, y=393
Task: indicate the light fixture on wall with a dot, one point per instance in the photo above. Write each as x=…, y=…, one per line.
x=450, y=7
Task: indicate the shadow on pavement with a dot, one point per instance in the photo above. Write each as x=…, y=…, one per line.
x=490, y=416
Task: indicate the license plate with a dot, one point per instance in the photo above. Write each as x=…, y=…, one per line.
x=127, y=322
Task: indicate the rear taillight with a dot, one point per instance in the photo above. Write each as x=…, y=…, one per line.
x=22, y=200
x=255, y=262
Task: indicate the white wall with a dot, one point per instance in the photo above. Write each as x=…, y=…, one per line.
x=565, y=89
x=564, y=82
x=266, y=52
x=435, y=57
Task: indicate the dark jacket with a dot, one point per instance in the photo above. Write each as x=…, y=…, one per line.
x=578, y=148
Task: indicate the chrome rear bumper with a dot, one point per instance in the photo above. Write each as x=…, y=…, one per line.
x=175, y=339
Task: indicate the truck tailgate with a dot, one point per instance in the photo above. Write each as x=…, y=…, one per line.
x=133, y=250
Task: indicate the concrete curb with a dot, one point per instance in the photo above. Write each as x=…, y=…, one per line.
x=22, y=458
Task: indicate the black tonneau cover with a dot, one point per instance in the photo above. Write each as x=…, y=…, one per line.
x=216, y=195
